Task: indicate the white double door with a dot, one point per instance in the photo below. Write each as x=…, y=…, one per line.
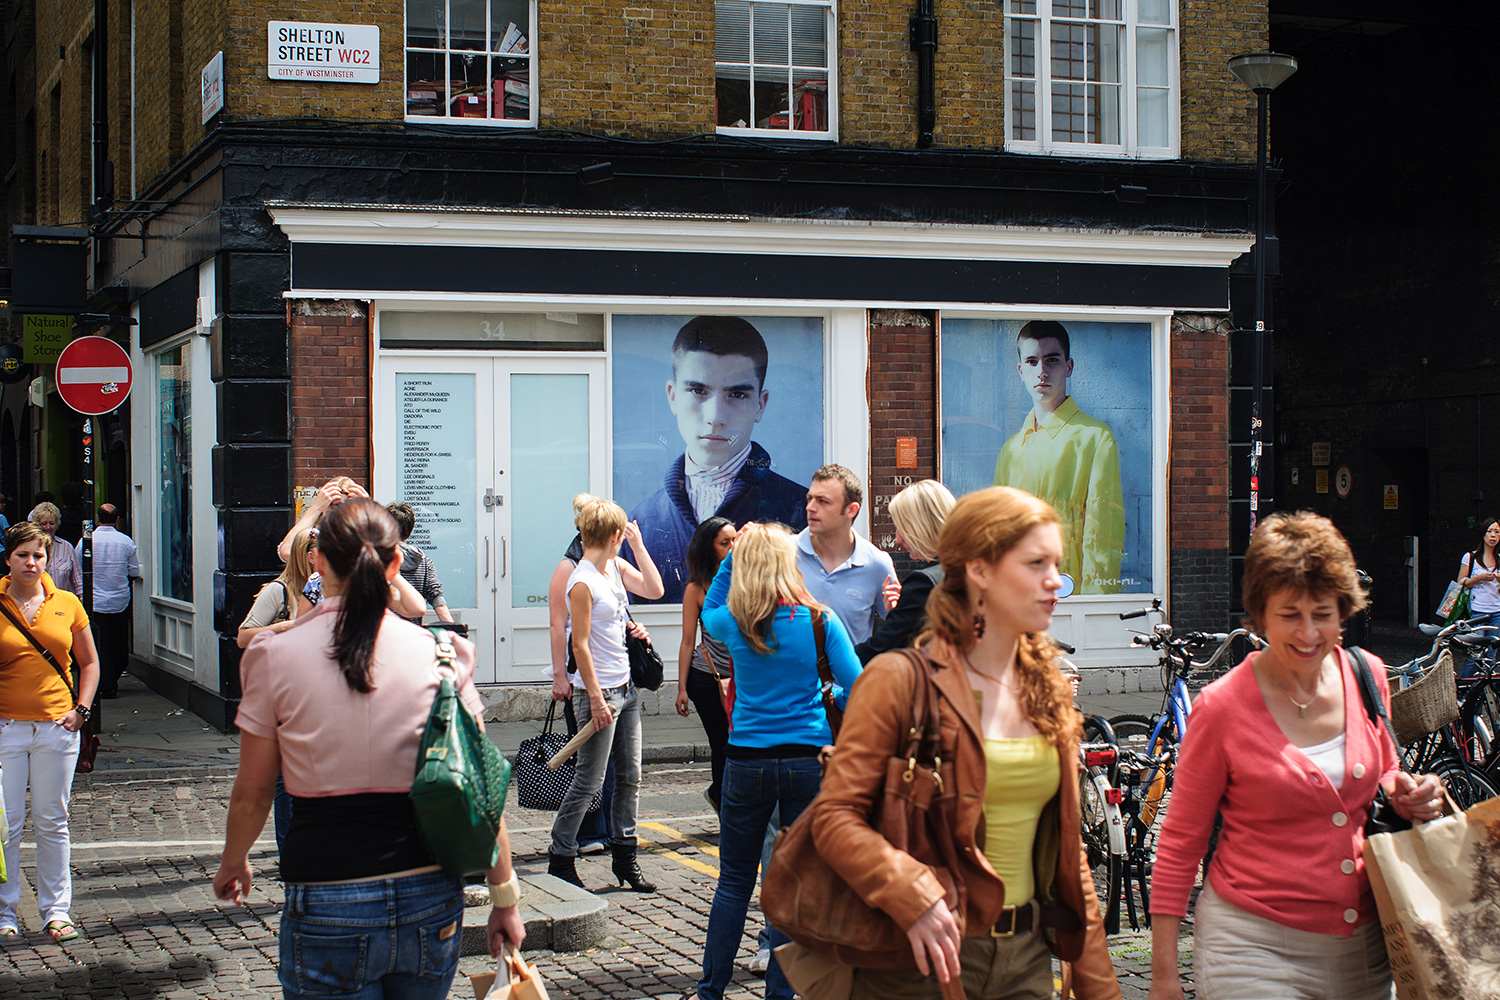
x=490, y=451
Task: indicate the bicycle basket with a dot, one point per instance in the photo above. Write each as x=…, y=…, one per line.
x=1428, y=705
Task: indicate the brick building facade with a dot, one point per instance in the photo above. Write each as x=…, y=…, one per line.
x=319, y=255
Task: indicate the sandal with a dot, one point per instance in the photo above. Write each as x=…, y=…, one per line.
x=9, y=934
x=61, y=931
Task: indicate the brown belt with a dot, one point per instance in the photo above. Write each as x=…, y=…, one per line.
x=1015, y=920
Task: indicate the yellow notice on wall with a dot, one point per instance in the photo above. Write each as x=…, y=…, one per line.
x=1320, y=480
x=44, y=337
x=1391, y=498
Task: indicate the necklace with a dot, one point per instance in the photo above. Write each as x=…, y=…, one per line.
x=989, y=677
x=1301, y=708
x=30, y=605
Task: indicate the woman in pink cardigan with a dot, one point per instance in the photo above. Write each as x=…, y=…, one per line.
x=1283, y=748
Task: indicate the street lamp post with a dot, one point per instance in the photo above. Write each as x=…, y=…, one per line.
x=1262, y=72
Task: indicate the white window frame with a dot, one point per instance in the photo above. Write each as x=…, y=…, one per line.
x=1128, y=147
x=831, y=58
x=446, y=53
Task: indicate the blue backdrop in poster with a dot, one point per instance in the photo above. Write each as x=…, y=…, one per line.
x=985, y=403
x=646, y=436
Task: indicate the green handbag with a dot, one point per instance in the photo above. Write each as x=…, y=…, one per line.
x=459, y=788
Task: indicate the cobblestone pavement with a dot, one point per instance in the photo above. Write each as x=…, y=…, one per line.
x=147, y=843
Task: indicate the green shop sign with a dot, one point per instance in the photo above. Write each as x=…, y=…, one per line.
x=44, y=337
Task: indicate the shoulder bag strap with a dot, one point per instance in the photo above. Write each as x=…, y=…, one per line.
x=1374, y=707
x=46, y=653
x=820, y=635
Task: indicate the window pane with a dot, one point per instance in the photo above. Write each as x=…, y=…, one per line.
x=435, y=453
x=1104, y=60
x=549, y=440
x=1108, y=10
x=1069, y=113
x=501, y=331
x=809, y=36
x=772, y=98
x=772, y=44
x=1070, y=8
x=732, y=31
x=425, y=22
x=510, y=89
x=1069, y=52
x=468, y=78
x=466, y=28
x=426, y=90
x=1022, y=49
x=810, y=102
x=1104, y=115
x=1022, y=6
x=1155, y=12
x=1023, y=111
x=1152, y=56
x=510, y=22
x=174, y=397
x=732, y=96
x=1152, y=116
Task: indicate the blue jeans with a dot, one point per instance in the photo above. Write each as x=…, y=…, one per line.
x=752, y=790
x=618, y=743
x=390, y=939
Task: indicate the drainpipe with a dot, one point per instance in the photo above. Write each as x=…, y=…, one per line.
x=924, y=44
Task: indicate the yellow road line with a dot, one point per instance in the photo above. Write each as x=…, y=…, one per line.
x=702, y=845
x=693, y=863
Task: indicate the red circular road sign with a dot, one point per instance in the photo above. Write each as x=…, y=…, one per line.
x=93, y=375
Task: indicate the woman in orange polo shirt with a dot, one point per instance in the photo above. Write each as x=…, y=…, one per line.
x=39, y=723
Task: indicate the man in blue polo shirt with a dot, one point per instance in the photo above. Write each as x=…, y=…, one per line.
x=841, y=569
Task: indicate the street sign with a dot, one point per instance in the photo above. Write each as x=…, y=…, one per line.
x=93, y=375
x=1343, y=482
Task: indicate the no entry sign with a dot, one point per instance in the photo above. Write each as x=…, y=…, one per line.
x=93, y=375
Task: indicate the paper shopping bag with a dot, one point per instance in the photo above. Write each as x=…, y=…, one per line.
x=1450, y=598
x=513, y=979
x=1437, y=887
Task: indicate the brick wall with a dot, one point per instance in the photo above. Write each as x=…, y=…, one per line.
x=330, y=355
x=1198, y=471
x=1218, y=112
x=627, y=67
x=903, y=403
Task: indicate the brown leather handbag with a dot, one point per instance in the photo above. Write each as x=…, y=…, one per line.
x=804, y=898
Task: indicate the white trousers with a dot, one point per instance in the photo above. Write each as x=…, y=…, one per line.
x=1241, y=956
x=42, y=755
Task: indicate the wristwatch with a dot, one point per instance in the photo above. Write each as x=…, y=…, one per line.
x=83, y=712
x=505, y=894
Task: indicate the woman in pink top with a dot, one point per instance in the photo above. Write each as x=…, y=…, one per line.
x=338, y=702
x=1283, y=748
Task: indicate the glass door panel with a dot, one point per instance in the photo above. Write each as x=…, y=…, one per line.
x=436, y=458
x=549, y=441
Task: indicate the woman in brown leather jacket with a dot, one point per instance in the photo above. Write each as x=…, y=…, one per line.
x=1011, y=732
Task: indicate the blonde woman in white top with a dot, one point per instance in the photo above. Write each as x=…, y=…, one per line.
x=603, y=695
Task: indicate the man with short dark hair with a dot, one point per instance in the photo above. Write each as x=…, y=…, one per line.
x=841, y=569
x=416, y=567
x=718, y=395
x=1069, y=459
x=115, y=564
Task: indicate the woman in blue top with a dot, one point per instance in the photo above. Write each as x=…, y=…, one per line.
x=759, y=607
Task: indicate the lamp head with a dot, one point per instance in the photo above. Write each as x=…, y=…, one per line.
x=1263, y=72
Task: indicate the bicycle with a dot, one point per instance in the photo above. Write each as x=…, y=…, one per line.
x=1103, y=822
x=1442, y=735
x=1149, y=745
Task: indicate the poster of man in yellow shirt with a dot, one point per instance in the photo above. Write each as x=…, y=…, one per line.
x=1067, y=458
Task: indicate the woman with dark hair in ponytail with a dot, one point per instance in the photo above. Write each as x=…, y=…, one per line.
x=1010, y=737
x=339, y=702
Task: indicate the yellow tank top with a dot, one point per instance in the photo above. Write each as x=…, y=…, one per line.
x=1021, y=777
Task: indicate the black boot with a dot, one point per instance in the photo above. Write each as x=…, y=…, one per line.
x=564, y=867
x=626, y=870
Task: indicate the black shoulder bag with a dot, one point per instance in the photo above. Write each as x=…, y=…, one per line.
x=88, y=740
x=1383, y=815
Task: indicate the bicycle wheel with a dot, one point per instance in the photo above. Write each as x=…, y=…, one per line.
x=1106, y=864
x=1148, y=800
x=1467, y=786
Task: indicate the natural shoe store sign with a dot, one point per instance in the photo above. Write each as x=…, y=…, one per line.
x=329, y=53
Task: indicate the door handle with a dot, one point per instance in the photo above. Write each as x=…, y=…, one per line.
x=504, y=557
x=486, y=557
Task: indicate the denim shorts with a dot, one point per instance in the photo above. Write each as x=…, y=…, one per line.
x=393, y=938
